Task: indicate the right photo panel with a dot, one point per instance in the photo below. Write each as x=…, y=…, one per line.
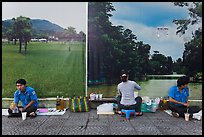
x=155, y=42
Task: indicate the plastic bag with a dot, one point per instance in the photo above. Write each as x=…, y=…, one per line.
x=106, y=107
x=79, y=104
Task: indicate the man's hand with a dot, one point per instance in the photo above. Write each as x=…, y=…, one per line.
x=186, y=104
x=22, y=109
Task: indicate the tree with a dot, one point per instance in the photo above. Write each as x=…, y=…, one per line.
x=192, y=55
x=10, y=35
x=112, y=48
x=160, y=64
x=22, y=28
x=98, y=28
x=71, y=31
x=178, y=66
x=195, y=13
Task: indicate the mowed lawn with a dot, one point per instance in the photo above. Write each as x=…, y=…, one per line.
x=50, y=68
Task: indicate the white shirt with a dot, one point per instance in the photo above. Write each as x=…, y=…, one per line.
x=126, y=89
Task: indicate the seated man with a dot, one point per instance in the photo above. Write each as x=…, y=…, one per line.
x=28, y=98
x=126, y=99
x=178, y=99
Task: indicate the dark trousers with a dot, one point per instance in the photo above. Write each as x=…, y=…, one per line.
x=28, y=110
x=136, y=106
x=183, y=109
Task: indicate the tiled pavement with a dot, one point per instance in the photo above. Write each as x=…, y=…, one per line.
x=89, y=123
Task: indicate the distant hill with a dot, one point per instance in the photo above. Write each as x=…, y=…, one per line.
x=39, y=26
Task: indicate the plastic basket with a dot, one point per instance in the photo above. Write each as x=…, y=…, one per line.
x=145, y=108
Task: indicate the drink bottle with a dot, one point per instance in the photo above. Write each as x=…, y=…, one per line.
x=62, y=103
x=58, y=103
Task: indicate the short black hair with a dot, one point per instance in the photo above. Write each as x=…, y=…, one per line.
x=183, y=80
x=124, y=72
x=21, y=81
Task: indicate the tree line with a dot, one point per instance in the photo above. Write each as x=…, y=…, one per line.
x=22, y=29
x=113, y=48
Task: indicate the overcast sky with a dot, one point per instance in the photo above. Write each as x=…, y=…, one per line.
x=143, y=18
x=64, y=14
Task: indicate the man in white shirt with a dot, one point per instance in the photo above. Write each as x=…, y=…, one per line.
x=126, y=99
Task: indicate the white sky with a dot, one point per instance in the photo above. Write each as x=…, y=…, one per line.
x=64, y=14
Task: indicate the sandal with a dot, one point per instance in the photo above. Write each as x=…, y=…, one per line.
x=118, y=112
x=139, y=113
x=33, y=114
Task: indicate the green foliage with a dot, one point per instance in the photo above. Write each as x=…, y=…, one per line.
x=192, y=55
x=159, y=64
x=113, y=48
x=195, y=13
x=22, y=30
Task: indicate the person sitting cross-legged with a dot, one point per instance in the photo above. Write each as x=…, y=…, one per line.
x=28, y=98
x=126, y=99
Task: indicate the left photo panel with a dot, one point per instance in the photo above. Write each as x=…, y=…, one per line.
x=45, y=44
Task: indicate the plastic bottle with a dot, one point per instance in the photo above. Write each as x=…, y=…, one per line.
x=161, y=104
x=164, y=104
x=58, y=103
x=62, y=103
x=68, y=102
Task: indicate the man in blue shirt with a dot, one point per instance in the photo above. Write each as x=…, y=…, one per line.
x=178, y=98
x=28, y=98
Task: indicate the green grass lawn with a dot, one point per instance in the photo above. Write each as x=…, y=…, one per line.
x=50, y=68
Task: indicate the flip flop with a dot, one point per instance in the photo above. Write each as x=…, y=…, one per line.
x=33, y=114
x=118, y=112
x=139, y=113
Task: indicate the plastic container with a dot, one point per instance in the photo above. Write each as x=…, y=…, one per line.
x=149, y=108
x=154, y=107
x=144, y=107
x=92, y=96
x=62, y=103
x=58, y=103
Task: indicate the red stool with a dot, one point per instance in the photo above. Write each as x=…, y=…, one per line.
x=127, y=113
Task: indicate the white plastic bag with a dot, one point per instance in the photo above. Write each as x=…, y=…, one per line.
x=147, y=100
x=157, y=100
x=106, y=107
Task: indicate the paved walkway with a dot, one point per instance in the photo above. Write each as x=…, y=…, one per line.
x=88, y=123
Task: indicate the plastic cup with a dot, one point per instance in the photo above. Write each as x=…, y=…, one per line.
x=24, y=115
x=92, y=96
x=100, y=96
x=186, y=116
x=97, y=96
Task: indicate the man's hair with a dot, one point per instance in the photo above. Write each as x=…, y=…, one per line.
x=124, y=75
x=124, y=72
x=21, y=81
x=183, y=81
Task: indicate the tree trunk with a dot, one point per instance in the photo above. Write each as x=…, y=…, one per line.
x=15, y=42
x=20, y=43
x=25, y=47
